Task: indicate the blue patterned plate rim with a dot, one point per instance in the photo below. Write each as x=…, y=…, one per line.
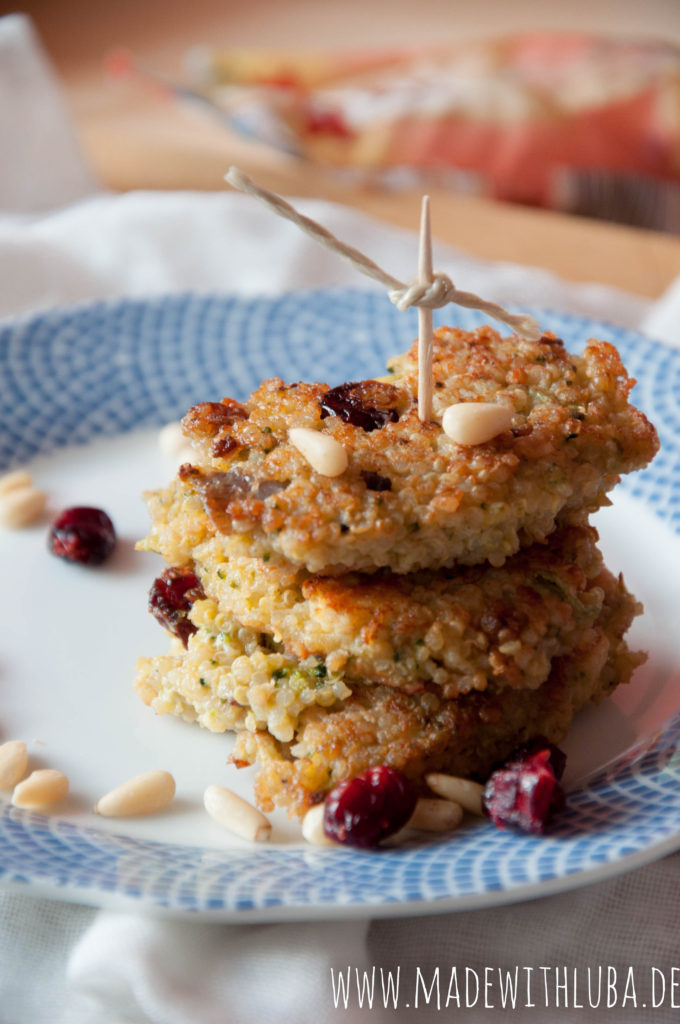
x=625, y=815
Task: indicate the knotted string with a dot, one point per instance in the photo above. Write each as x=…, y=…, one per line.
x=437, y=293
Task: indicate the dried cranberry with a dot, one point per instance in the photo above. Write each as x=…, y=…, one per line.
x=351, y=403
x=363, y=810
x=558, y=759
x=524, y=792
x=84, y=535
x=170, y=600
x=207, y=419
x=376, y=482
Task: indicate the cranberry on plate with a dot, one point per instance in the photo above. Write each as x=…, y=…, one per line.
x=370, y=807
x=525, y=792
x=84, y=535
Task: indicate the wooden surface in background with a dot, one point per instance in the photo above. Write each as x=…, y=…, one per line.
x=135, y=138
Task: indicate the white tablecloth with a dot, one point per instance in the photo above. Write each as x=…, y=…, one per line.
x=63, y=964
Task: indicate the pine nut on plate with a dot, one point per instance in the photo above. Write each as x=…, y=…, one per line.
x=185, y=454
x=13, y=763
x=312, y=827
x=236, y=814
x=434, y=815
x=21, y=506
x=471, y=423
x=171, y=439
x=465, y=792
x=15, y=479
x=142, y=794
x=323, y=453
x=173, y=443
x=41, y=789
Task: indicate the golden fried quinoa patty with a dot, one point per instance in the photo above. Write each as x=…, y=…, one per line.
x=231, y=678
x=412, y=498
x=308, y=728
x=462, y=629
x=419, y=733
x=468, y=628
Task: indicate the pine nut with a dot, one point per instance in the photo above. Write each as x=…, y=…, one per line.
x=312, y=827
x=185, y=455
x=143, y=794
x=171, y=439
x=462, y=791
x=432, y=815
x=323, y=453
x=17, y=478
x=21, y=507
x=13, y=763
x=41, y=789
x=236, y=814
x=476, y=422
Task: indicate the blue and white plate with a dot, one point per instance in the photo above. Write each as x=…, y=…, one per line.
x=82, y=393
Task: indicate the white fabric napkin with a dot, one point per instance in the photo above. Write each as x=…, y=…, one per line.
x=146, y=243
x=63, y=964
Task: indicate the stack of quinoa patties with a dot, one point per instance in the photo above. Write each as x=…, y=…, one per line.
x=430, y=608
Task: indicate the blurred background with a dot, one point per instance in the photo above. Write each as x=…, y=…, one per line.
x=570, y=108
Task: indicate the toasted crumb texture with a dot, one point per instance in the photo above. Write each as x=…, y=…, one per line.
x=231, y=678
x=411, y=498
x=308, y=728
x=421, y=733
x=470, y=628
x=463, y=629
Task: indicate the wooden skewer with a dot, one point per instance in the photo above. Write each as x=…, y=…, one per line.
x=425, y=317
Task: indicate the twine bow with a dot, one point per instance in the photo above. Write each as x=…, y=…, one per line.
x=433, y=295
